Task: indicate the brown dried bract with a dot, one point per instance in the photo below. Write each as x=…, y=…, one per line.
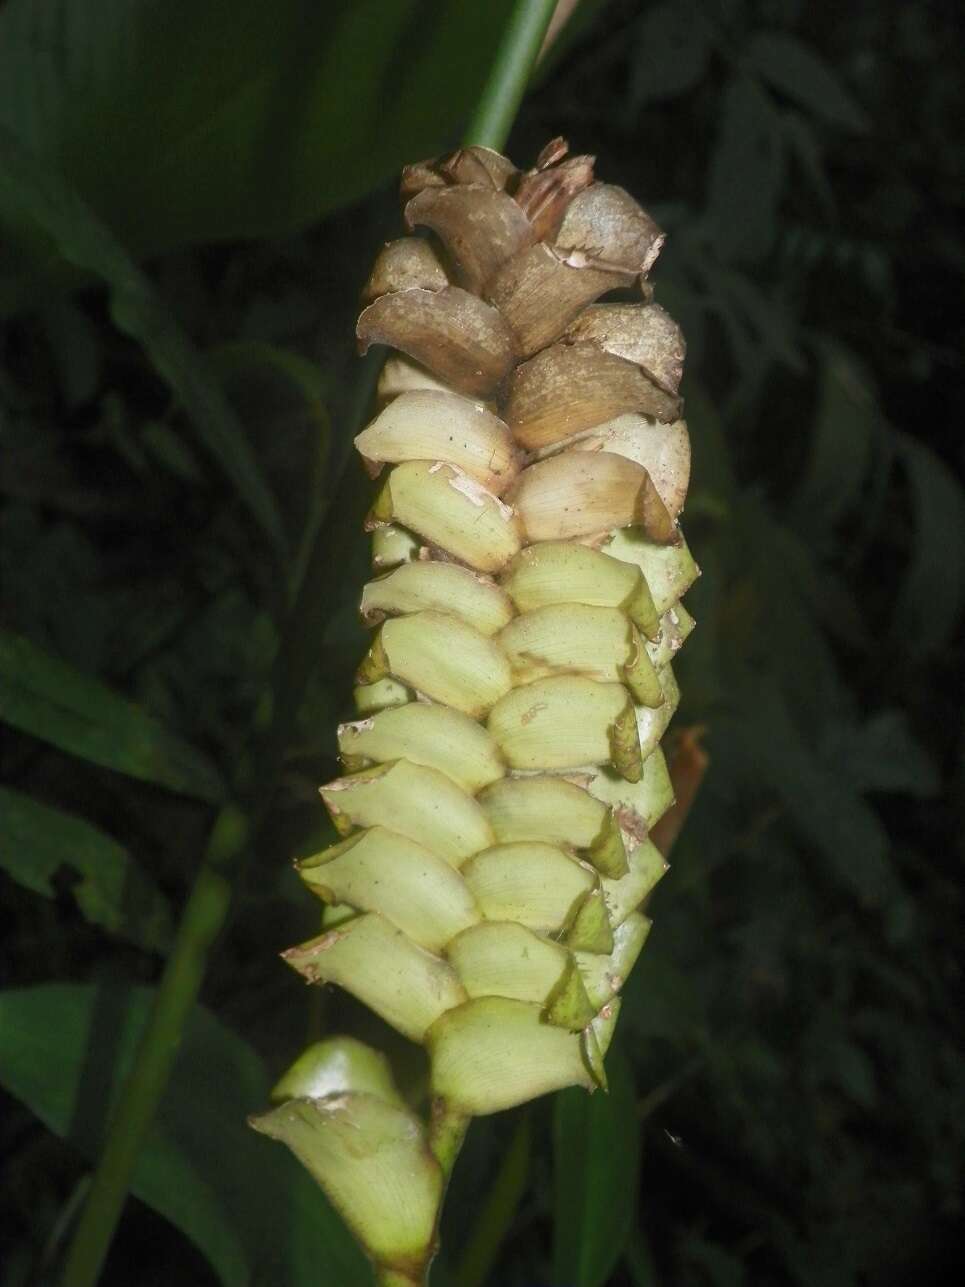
x=570, y=388
x=545, y=194
x=606, y=222
x=479, y=228
x=478, y=165
x=404, y=264
x=461, y=339
x=642, y=333
x=541, y=291
x=551, y=153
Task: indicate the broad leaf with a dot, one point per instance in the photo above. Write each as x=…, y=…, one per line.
x=197, y=120
x=65, y=1050
x=803, y=75
x=38, y=842
x=36, y=194
x=596, y=1147
x=43, y=696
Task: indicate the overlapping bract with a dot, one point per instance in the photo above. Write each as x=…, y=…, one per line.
x=505, y=770
x=506, y=773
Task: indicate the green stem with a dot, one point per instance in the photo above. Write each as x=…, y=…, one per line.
x=397, y=1278
x=447, y=1130
x=202, y=921
x=515, y=59
x=496, y=1216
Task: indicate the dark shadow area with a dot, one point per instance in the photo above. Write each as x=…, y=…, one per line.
x=794, y=1026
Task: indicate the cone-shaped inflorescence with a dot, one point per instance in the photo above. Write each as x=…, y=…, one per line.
x=505, y=769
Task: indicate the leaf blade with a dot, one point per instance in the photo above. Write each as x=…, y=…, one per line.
x=36, y=841
x=252, y=137
x=596, y=1147
x=36, y=190
x=49, y=699
x=63, y=1045
x=802, y=74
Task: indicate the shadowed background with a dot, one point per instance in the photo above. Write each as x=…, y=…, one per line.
x=190, y=198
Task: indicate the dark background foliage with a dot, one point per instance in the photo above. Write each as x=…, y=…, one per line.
x=190, y=195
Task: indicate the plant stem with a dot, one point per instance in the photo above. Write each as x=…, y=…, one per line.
x=447, y=1130
x=202, y=921
x=397, y=1278
x=501, y=1205
x=515, y=59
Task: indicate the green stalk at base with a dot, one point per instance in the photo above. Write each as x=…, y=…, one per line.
x=447, y=1131
x=498, y=1210
x=396, y=1278
x=201, y=923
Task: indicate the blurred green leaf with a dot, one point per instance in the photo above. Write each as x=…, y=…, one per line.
x=842, y=441
x=776, y=619
x=65, y=1050
x=713, y=480
x=826, y=811
x=673, y=46
x=197, y=120
x=75, y=347
x=720, y=1268
x=801, y=73
x=497, y=1212
x=883, y=755
x=596, y=1160
x=281, y=398
x=35, y=189
x=854, y=1072
x=771, y=325
x=639, y=1261
x=804, y=142
x=932, y=592
x=43, y=696
x=745, y=174
x=169, y=451
x=38, y=842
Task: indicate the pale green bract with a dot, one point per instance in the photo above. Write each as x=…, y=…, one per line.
x=504, y=771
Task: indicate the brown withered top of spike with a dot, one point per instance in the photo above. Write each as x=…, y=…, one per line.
x=477, y=165
x=545, y=191
x=552, y=152
x=514, y=266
